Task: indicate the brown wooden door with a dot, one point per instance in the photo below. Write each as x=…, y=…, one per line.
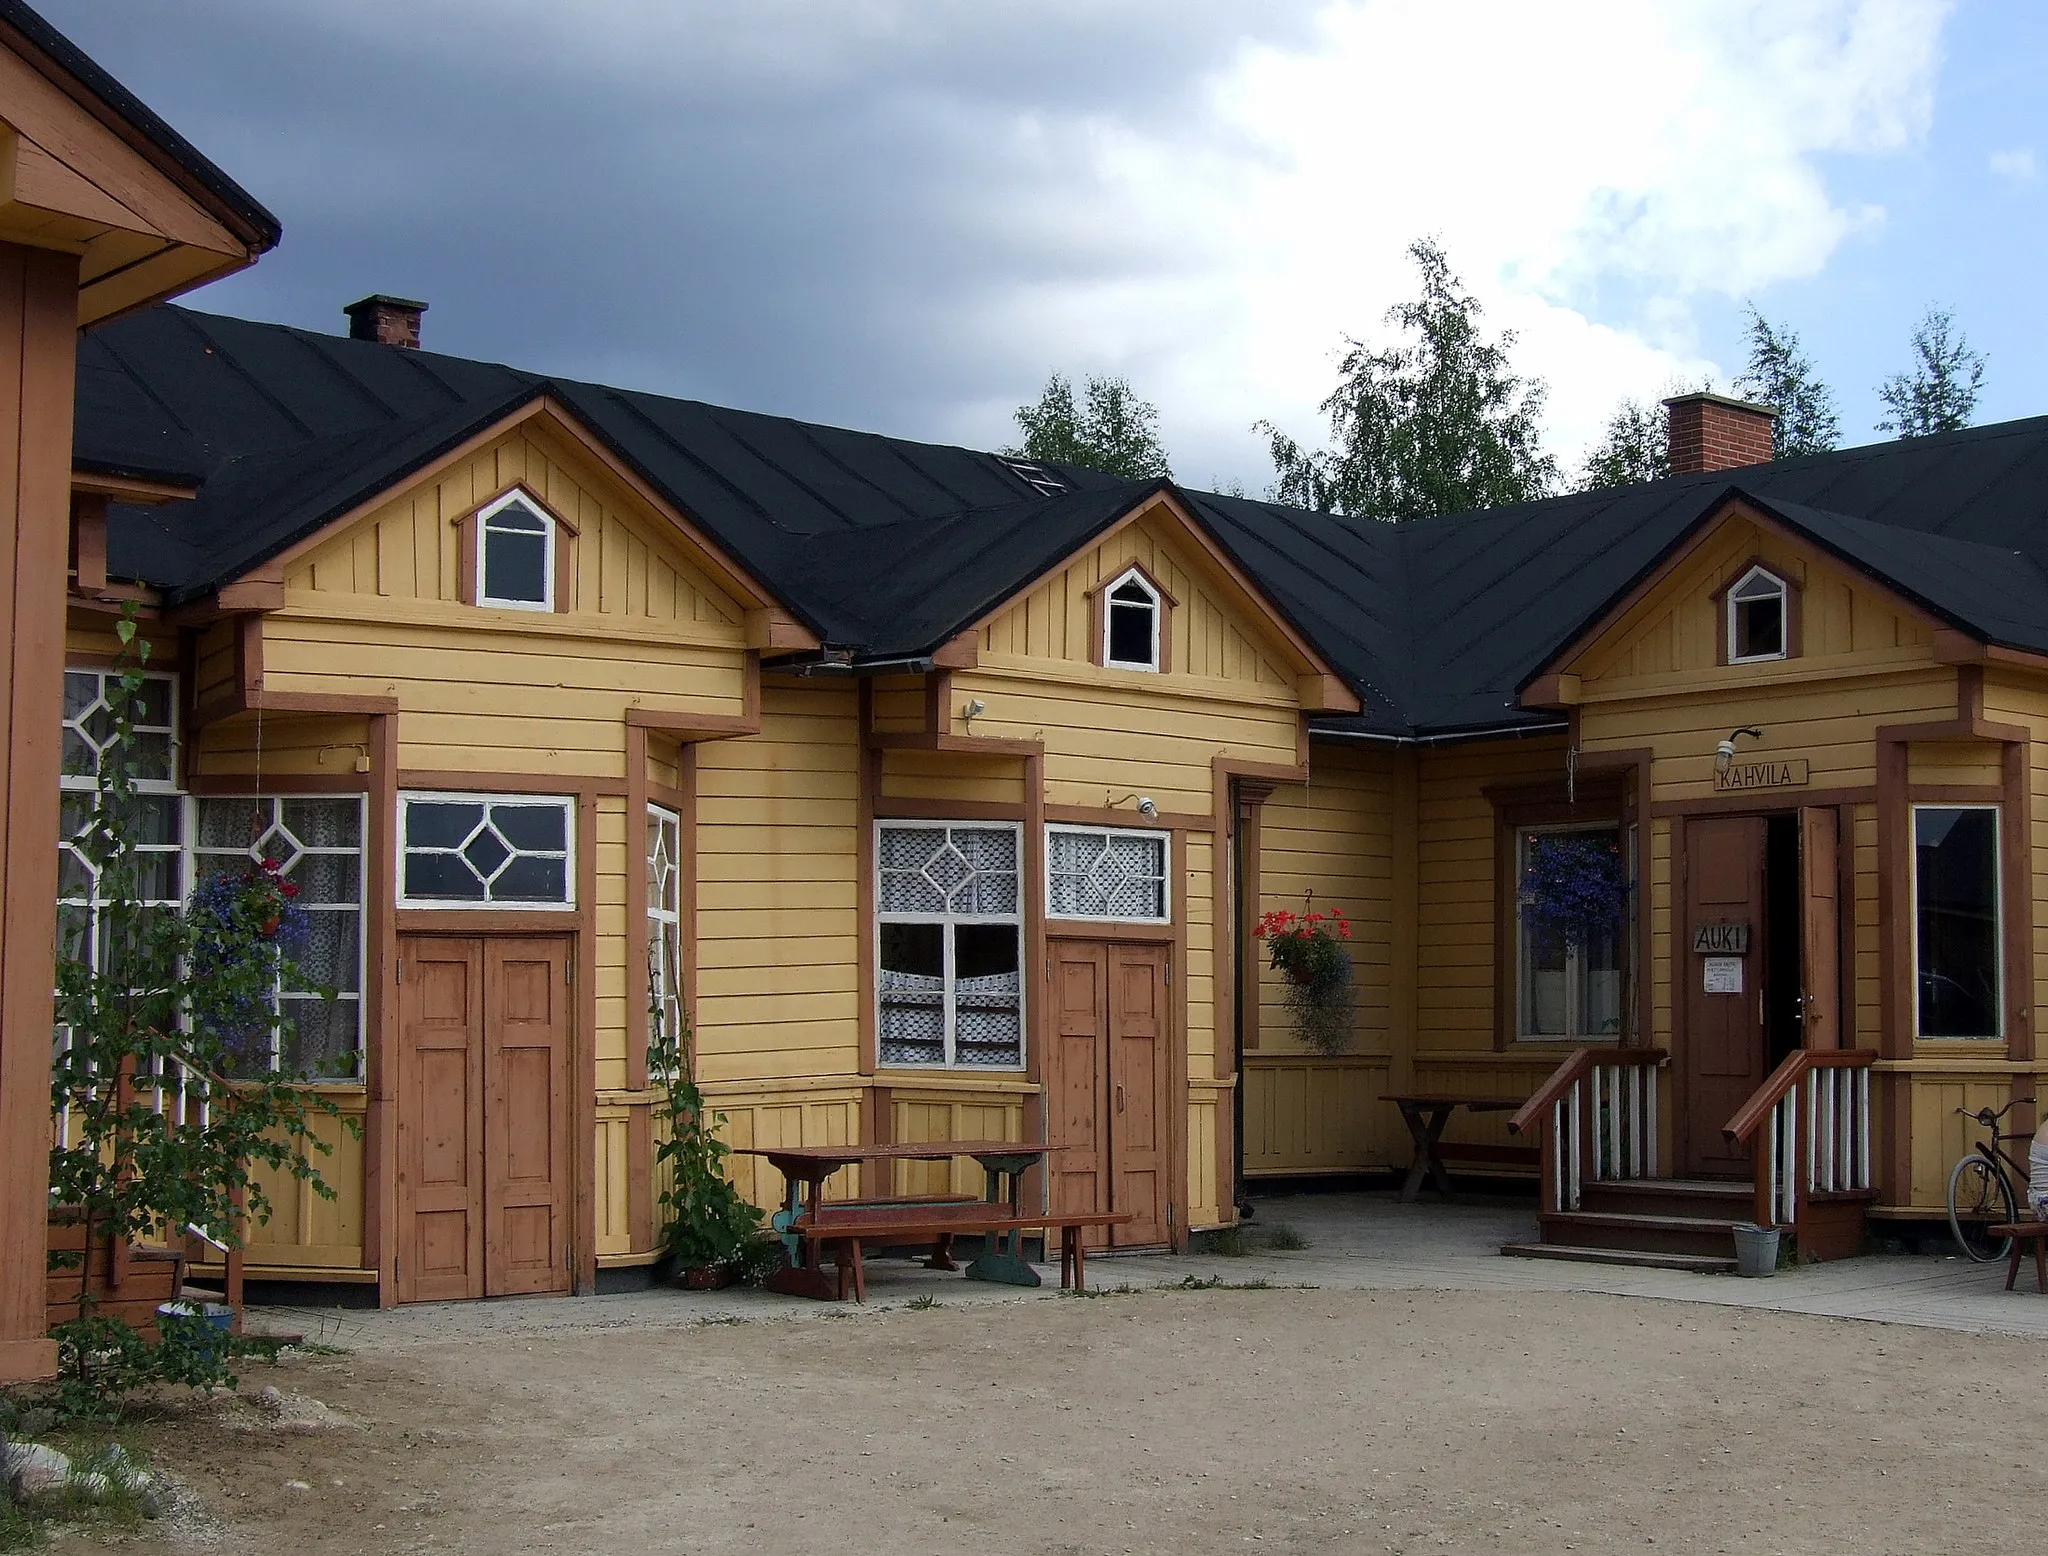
x=483, y=1116
x=1138, y=1069
x=526, y=1118
x=1107, y=1080
x=1820, y=927
x=1725, y=1056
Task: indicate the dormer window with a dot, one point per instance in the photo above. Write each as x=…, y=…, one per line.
x=1130, y=627
x=1757, y=618
x=515, y=555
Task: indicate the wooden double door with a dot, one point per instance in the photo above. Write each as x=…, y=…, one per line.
x=484, y=1161
x=1108, y=1073
x=1774, y=879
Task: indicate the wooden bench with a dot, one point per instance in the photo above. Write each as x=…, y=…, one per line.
x=844, y=1230
x=2024, y=1233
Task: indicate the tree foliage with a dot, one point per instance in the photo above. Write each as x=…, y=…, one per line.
x=1437, y=423
x=1940, y=393
x=1110, y=430
x=1636, y=447
x=1781, y=375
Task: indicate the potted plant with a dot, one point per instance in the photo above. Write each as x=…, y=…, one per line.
x=711, y=1231
x=1309, y=948
x=1573, y=887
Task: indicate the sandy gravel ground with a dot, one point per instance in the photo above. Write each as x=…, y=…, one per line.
x=1192, y=1422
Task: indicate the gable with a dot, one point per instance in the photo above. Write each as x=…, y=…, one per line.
x=1674, y=626
x=1214, y=631
x=628, y=561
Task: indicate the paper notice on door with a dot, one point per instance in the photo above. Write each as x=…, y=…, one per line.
x=1723, y=974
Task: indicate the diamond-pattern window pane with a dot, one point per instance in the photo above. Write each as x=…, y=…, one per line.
x=949, y=987
x=1107, y=873
x=89, y=728
x=505, y=852
x=317, y=845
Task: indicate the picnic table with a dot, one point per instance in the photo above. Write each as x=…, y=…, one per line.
x=810, y=1224
x=1426, y=1113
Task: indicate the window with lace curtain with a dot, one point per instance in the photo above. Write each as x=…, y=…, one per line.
x=1106, y=873
x=664, y=928
x=949, y=933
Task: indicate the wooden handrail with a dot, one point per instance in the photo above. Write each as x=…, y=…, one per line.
x=1577, y=1065
x=1787, y=1075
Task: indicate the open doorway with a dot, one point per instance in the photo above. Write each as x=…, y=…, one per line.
x=1781, y=969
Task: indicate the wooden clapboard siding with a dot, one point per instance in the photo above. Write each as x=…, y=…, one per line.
x=277, y=745
x=1676, y=630
x=939, y=776
x=779, y=915
x=1212, y=638
x=620, y=846
x=626, y=561
x=1307, y=1114
x=2023, y=700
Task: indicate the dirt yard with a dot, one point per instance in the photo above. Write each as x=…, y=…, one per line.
x=1191, y=1422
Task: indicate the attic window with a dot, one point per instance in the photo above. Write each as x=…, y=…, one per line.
x=1756, y=618
x=1130, y=627
x=1037, y=477
x=515, y=555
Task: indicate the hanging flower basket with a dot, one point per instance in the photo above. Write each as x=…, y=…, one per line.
x=1309, y=949
x=243, y=915
x=1573, y=888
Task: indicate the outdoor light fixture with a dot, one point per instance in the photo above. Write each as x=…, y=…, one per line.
x=1146, y=807
x=1724, y=753
x=974, y=710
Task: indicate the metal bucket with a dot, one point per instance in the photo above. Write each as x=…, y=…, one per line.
x=1756, y=1249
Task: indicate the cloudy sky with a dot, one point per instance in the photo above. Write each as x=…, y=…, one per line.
x=902, y=214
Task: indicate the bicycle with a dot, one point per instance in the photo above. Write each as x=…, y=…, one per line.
x=1980, y=1187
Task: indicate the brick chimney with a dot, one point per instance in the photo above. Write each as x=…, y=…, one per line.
x=390, y=321
x=1714, y=432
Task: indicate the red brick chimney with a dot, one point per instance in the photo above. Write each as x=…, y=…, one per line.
x=1714, y=432
x=390, y=321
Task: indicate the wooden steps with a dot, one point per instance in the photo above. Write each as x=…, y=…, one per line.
x=1661, y=1223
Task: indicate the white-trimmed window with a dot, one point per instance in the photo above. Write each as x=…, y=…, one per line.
x=664, y=926
x=316, y=842
x=1108, y=873
x=950, y=937
x=486, y=851
x=515, y=555
x=1567, y=992
x=1757, y=618
x=1131, y=615
x=1958, y=933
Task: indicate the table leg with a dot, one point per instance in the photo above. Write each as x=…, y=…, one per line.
x=942, y=1254
x=1080, y=1258
x=2040, y=1265
x=2012, y=1265
x=1425, y=1132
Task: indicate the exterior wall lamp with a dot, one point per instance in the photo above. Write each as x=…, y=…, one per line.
x=1724, y=753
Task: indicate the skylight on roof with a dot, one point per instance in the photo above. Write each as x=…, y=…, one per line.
x=1037, y=477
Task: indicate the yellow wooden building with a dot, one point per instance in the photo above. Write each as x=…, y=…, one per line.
x=943, y=790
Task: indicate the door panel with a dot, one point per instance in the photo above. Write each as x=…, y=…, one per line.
x=484, y=1161
x=440, y=1120
x=526, y=1131
x=1139, y=1067
x=1724, y=1033
x=1076, y=1081
x=1820, y=927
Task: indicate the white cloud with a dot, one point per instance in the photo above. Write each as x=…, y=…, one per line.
x=2017, y=164
x=1594, y=170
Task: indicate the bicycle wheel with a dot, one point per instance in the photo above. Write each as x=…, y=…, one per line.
x=1979, y=1198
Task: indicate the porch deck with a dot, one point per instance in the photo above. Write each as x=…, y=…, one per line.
x=1357, y=1242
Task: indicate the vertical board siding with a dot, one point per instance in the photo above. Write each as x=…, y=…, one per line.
x=828, y=1116
x=305, y=1227
x=614, y=1229
x=1306, y=1114
x=917, y=1114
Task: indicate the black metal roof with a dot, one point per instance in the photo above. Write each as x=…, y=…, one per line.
x=887, y=547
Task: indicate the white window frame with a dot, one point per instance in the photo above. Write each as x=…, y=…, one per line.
x=1165, y=841
x=665, y=929
x=486, y=904
x=948, y=921
x=1574, y=979
x=520, y=497
x=1132, y=575
x=1784, y=617
x=1998, y=909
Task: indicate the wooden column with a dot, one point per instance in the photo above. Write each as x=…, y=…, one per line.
x=38, y=359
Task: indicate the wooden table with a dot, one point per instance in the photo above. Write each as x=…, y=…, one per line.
x=1426, y=1113
x=805, y=1168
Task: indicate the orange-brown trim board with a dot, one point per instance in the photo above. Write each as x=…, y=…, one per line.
x=770, y=622
x=1554, y=685
x=1324, y=689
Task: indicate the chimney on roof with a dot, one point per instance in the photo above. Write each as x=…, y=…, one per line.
x=1713, y=432
x=390, y=321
